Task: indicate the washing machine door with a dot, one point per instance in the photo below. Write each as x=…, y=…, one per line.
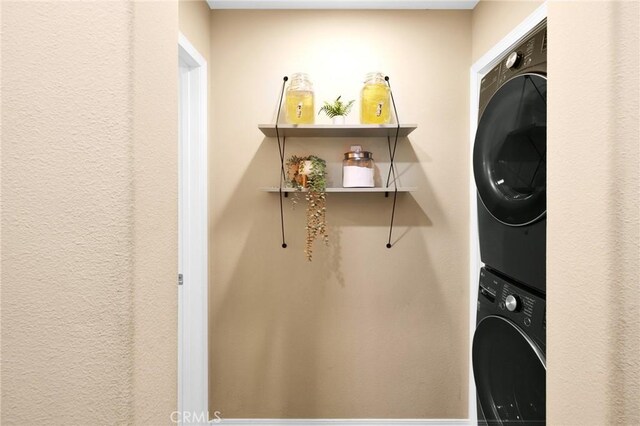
x=509, y=370
x=510, y=151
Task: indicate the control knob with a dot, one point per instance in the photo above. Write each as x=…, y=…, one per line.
x=512, y=302
x=513, y=60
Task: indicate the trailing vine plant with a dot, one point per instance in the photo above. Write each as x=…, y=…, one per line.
x=309, y=174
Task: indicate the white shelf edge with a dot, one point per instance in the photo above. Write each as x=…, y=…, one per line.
x=340, y=130
x=343, y=4
x=345, y=190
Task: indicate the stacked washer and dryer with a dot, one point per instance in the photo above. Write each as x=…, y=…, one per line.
x=509, y=165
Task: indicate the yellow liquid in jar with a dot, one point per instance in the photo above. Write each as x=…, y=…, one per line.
x=374, y=106
x=299, y=105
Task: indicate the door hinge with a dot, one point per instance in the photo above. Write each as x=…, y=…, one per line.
x=180, y=279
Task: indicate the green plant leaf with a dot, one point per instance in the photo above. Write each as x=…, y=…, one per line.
x=336, y=108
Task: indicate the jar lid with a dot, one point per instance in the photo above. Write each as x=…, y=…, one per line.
x=362, y=155
x=357, y=153
x=300, y=81
x=375, y=76
x=300, y=76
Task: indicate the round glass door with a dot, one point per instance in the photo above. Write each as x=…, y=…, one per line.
x=510, y=151
x=510, y=373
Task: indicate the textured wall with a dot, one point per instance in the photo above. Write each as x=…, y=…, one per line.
x=153, y=152
x=362, y=331
x=593, y=340
x=88, y=212
x=494, y=19
x=1, y=245
x=66, y=214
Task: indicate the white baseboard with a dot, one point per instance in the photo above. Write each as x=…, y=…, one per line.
x=345, y=422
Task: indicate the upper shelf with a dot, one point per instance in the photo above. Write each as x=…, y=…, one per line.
x=340, y=189
x=336, y=131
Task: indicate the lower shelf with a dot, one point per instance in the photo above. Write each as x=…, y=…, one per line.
x=349, y=190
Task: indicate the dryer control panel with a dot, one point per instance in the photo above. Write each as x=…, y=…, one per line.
x=529, y=56
x=499, y=296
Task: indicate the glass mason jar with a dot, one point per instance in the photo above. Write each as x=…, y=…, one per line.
x=374, y=100
x=299, y=100
x=357, y=168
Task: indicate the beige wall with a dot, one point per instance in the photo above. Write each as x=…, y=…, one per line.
x=88, y=212
x=154, y=176
x=1, y=245
x=492, y=20
x=88, y=247
x=195, y=24
x=362, y=331
x=593, y=340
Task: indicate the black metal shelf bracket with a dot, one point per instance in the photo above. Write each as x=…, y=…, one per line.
x=281, y=151
x=392, y=173
x=392, y=167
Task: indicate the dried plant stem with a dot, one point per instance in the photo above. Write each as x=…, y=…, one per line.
x=314, y=181
x=316, y=221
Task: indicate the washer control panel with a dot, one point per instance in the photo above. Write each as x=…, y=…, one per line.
x=517, y=301
x=497, y=295
x=513, y=303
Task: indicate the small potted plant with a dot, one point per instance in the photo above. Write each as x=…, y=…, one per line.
x=310, y=174
x=337, y=110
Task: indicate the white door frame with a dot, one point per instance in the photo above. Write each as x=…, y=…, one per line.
x=478, y=70
x=193, y=235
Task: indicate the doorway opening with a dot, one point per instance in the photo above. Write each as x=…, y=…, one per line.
x=478, y=70
x=192, y=235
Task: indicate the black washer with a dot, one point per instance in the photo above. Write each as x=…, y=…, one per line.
x=509, y=363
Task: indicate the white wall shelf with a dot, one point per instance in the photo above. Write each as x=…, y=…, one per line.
x=392, y=132
x=337, y=131
x=345, y=190
x=388, y=131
